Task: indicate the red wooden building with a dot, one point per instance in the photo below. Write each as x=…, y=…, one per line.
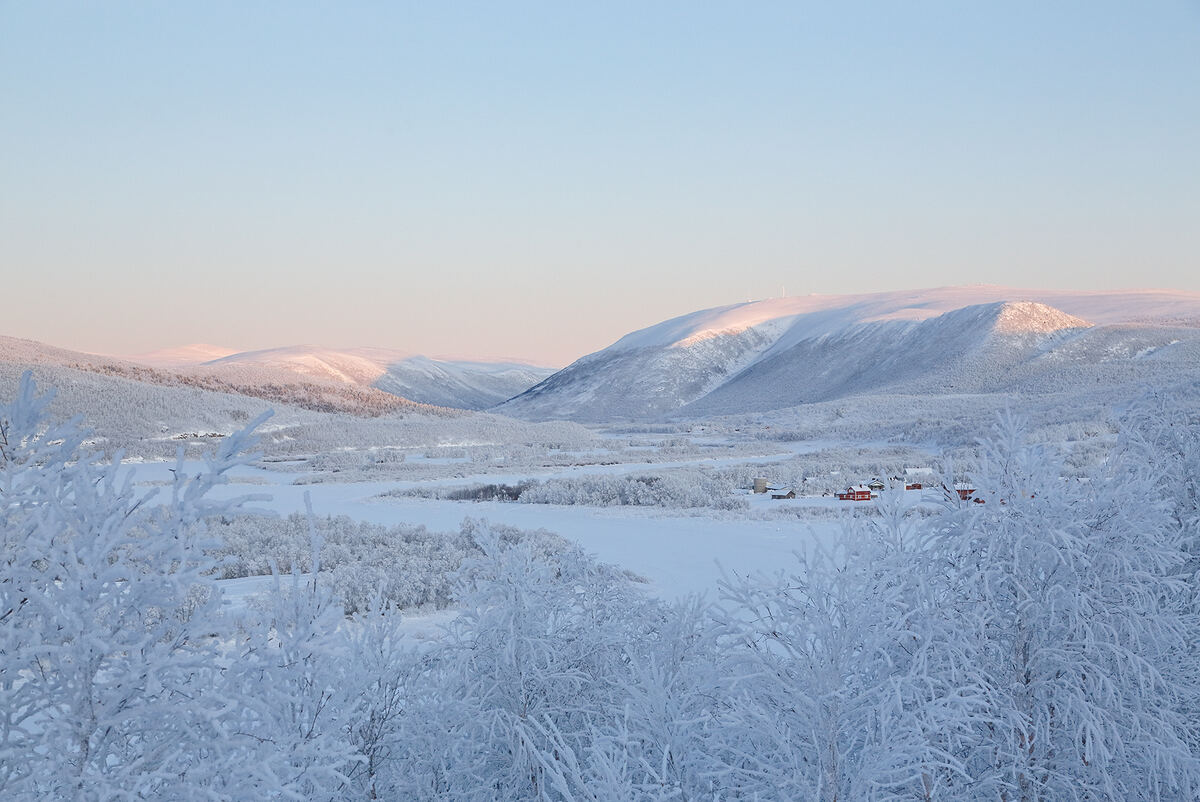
x=855, y=493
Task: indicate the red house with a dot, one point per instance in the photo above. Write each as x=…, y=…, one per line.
x=856, y=493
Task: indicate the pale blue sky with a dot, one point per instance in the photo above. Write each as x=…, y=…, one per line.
x=535, y=180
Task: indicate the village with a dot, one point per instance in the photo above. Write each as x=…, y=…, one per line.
x=867, y=491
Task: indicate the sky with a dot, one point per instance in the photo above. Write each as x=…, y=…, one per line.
x=534, y=180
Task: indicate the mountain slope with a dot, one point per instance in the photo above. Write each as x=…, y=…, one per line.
x=151, y=414
x=463, y=385
x=973, y=349
x=777, y=353
x=276, y=386
x=312, y=361
x=457, y=384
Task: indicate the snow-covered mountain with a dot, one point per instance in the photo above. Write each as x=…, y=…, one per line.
x=778, y=353
x=151, y=413
x=357, y=380
x=464, y=385
x=274, y=386
x=446, y=383
x=343, y=366
x=181, y=357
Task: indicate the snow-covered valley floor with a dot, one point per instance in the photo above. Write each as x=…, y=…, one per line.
x=679, y=553
x=431, y=651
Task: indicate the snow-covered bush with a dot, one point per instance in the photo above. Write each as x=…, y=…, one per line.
x=110, y=683
x=294, y=712
x=1035, y=646
x=1040, y=645
x=399, y=565
x=1070, y=601
x=536, y=667
x=832, y=673
x=677, y=489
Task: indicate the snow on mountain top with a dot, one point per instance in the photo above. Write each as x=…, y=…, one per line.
x=459, y=384
x=825, y=314
x=314, y=361
x=498, y=367
x=786, y=351
x=183, y=356
x=362, y=360
x=1031, y=317
x=354, y=379
x=696, y=326
x=31, y=352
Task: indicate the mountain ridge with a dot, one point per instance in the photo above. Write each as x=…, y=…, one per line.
x=771, y=354
x=459, y=384
x=378, y=379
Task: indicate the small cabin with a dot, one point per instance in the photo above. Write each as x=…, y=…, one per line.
x=855, y=493
x=782, y=493
x=876, y=486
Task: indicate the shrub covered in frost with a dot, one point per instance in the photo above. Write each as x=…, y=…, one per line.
x=1038, y=646
x=400, y=565
x=677, y=489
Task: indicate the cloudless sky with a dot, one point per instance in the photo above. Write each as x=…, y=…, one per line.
x=534, y=180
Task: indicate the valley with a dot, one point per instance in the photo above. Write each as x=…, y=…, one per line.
x=601, y=521
x=626, y=450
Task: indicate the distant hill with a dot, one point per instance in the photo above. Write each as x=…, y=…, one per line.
x=181, y=357
x=774, y=354
x=445, y=383
x=358, y=381
x=276, y=387
x=463, y=385
x=151, y=412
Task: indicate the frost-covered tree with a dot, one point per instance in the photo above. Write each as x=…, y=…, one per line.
x=109, y=623
x=841, y=683
x=373, y=671
x=535, y=665
x=1038, y=646
x=1160, y=434
x=1161, y=431
x=296, y=714
x=1068, y=596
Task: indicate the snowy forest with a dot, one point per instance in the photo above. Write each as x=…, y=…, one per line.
x=1039, y=643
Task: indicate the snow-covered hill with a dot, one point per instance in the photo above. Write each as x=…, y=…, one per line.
x=973, y=349
x=464, y=385
x=307, y=360
x=273, y=386
x=181, y=357
x=150, y=413
x=457, y=384
x=778, y=353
